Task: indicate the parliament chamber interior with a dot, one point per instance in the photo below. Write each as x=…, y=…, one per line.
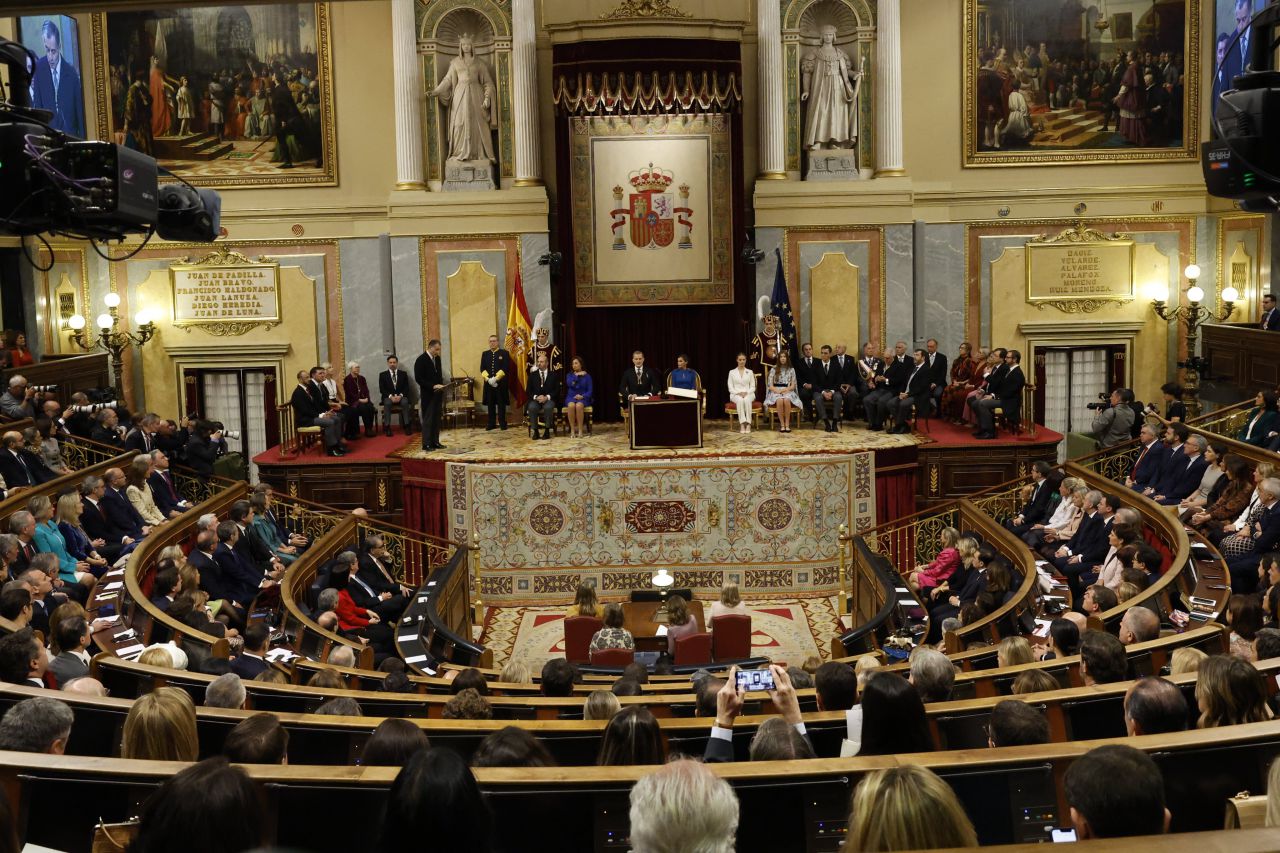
x=883, y=454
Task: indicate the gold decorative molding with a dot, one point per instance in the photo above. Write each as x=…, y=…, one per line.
x=230, y=329
x=645, y=9
x=1079, y=306
x=1081, y=233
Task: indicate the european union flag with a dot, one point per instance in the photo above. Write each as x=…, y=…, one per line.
x=781, y=303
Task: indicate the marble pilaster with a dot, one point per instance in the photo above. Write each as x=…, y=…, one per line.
x=899, y=322
x=889, y=88
x=770, y=81
x=524, y=92
x=409, y=96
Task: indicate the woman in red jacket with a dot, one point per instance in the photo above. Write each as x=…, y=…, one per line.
x=356, y=620
x=19, y=355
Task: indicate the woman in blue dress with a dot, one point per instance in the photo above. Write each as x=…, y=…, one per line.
x=577, y=396
x=682, y=376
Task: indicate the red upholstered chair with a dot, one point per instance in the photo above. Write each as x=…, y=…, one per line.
x=578, y=631
x=731, y=637
x=695, y=648
x=613, y=657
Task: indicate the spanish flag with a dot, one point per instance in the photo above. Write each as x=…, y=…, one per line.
x=519, y=337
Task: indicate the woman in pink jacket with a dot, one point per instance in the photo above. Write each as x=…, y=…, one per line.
x=926, y=577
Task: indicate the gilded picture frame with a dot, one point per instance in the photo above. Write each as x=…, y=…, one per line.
x=234, y=124
x=1091, y=102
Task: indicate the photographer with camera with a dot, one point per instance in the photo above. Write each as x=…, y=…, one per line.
x=1113, y=424
x=19, y=401
x=205, y=446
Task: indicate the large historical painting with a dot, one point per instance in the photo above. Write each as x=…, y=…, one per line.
x=225, y=96
x=1080, y=81
x=651, y=210
x=56, y=85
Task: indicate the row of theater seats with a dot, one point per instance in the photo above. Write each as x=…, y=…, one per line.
x=1010, y=793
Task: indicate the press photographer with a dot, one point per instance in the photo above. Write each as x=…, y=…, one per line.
x=1113, y=424
x=20, y=401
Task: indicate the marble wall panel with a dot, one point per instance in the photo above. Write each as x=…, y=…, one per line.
x=942, y=289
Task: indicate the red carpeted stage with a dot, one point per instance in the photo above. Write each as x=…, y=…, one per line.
x=393, y=478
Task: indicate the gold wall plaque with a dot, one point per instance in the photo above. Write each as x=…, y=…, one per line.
x=225, y=293
x=1080, y=270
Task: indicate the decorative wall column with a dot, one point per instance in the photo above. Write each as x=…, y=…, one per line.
x=889, y=88
x=524, y=92
x=409, y=95
x=770, y=82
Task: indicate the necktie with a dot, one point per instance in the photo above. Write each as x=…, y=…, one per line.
x=1141, y=456
x=542, y=378
x=56, y=76
x=164, y=475
x=31, y=481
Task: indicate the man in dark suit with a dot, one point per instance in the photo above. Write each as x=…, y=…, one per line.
x=1036, y=510
x=1186, y=470
x=847, y=370
x=240, y=580
x=544, y=388
x=73, y=639
x=253, y=660
x=201, y=557
x=806, y=373
x=20, y=467
x=1088, y=547
x=1270, y=320
x=1004, y=393
x=495, y=368
x=168, y=501
x=1175, y=438
x=898, y=370
x=307, y=413
x=120, y=513
x=936, y=363
x=250, y=544
x=428, y=372
x=141, y=439
x=639, y=381
x=393, y=385
x=1150, y=460
x=827, y=401
x=914, y=394
x=1237, y=57
x=55, y=85
x=107, y=538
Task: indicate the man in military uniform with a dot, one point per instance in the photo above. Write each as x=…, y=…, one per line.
x=495, y=364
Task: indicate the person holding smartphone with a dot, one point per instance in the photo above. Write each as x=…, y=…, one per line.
x=732, y=695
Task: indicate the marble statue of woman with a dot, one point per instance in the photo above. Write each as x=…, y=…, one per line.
x=830, y=86
x=468, y=90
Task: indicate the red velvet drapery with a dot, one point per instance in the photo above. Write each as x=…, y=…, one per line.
x=425, y=508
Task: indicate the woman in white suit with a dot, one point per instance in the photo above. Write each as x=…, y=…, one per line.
x=742, y=392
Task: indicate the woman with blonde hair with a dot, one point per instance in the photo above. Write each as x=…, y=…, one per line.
x=48, y=537
x=161, y=726
x=584, y=602
x=927, y=576
x=1229, y=691
x=1014, y=651
x=1186, y=659
x=139, y=490
x=601, y=705
x=863, y=667
x=680, y=622
x=906, y=808
x=515, y=672
x=730, y=603
x=156, y=656
x=79, y=545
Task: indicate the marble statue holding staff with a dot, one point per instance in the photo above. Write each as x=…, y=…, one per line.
x=830, y=87
x=468, y=90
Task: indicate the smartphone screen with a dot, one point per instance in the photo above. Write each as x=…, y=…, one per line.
x=1063, y=835
x=755, y=680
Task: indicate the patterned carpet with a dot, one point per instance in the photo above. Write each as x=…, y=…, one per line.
x=783, y=629
x=609, y=442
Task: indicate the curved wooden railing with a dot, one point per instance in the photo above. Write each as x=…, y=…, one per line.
x=138, y=613
x=308, y=638
x=1025, y=597
x=1166, y=528
x=1226, y=422
x=96, y=466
